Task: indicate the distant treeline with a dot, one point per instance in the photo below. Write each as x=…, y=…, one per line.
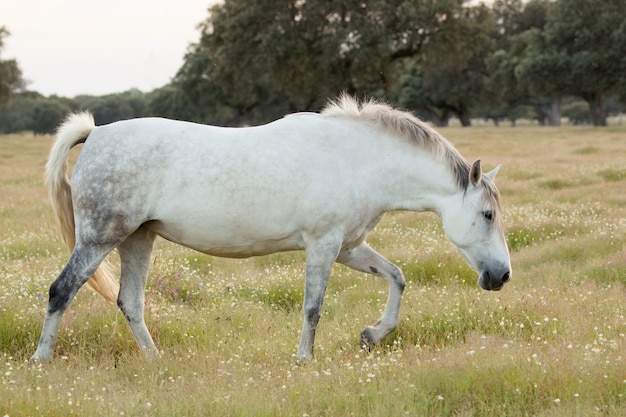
x=31, y=111
x=255, y=61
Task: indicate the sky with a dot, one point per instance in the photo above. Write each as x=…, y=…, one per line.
x=97, y=47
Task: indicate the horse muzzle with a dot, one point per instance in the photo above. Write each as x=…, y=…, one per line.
x=494, y=279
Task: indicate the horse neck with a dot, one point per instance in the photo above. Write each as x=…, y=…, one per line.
x=420, y=182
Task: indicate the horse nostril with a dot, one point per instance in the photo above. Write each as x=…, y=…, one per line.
x=506, y=277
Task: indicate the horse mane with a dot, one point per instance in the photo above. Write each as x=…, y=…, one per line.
x=402, y=124
x=405, y=125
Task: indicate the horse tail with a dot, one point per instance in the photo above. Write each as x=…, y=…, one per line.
x=72, y=132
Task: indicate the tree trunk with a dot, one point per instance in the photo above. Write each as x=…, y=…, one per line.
x=464, y=116
x=549, y=111
x=443, y=119
x=541, y=119
x=465, y=120
x=553, y=111
x=596, y=108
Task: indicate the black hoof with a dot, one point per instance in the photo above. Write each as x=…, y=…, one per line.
x=366, y=341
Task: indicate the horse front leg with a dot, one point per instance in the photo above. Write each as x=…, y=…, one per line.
x=319, y=260
x=365, y=259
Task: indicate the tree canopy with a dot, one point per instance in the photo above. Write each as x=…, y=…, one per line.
x=436, y=57
x=293, y=54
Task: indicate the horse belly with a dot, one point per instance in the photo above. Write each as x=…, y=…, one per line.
x=230, y=218
x=221, y=234
x=231, y=223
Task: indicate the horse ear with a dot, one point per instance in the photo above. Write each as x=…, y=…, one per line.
x=476, y=173
x=492, y=174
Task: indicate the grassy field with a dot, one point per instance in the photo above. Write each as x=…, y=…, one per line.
x=552, y=343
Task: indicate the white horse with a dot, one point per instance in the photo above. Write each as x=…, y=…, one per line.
x=313, y=182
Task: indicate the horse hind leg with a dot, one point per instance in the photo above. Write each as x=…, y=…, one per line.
x=82, y=264
x=365, y=259
x=134, y=255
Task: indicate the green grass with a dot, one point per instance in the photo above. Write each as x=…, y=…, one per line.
x=586, y=150
x=613, y=174
x=551, y=343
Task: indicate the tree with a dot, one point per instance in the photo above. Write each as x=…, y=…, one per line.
x=444, y=82
x=10, y=74
x=587, y=39
x=113, y=107
x=517, y=76
x=255, y=55
x=577, y=112
x=48, y=113
x=18, y=115
x=264, y=58
x=171, y=102
x=437, y=94
x=541, y=70
x=579, y=51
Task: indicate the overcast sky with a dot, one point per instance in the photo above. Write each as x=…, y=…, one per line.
x=72, y=47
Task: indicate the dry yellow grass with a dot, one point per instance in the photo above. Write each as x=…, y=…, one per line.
x=552, y=343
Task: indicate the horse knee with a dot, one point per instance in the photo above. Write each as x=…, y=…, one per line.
x=132, y=312
x=398, y=278
x=59, y=295
x=312, y=314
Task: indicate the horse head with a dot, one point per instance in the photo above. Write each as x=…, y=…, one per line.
x=473, y=222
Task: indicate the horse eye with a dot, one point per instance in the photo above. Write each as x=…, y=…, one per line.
x=488, y=215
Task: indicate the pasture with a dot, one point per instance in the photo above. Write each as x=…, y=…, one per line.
x=552, y=343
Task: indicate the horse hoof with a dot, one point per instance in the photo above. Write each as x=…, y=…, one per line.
x=36, y=359
x=367, y=341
